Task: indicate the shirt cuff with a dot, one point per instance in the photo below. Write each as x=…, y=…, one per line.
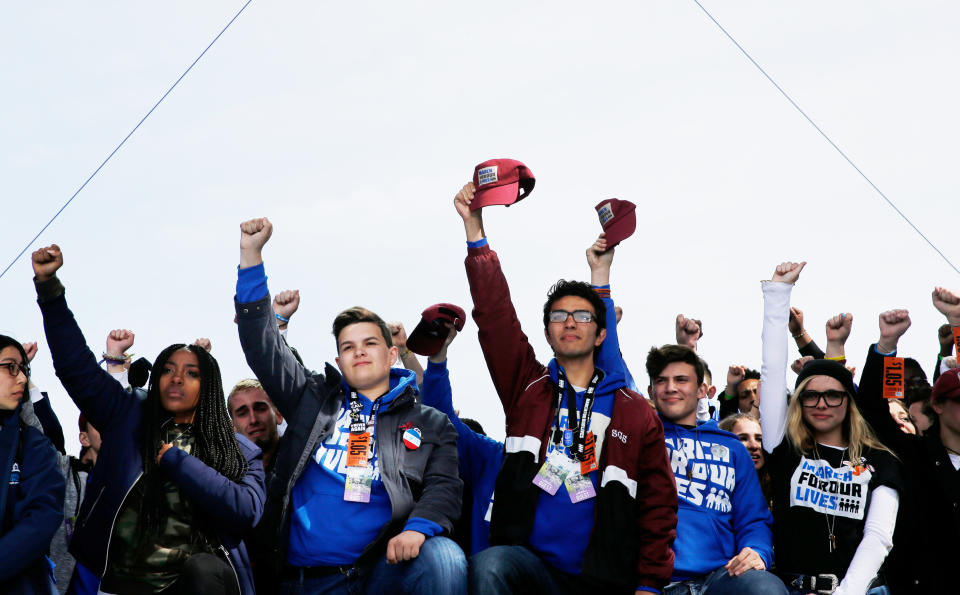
x=435, y=367
x=892, y=353
x=479, y=243
x=420, y=525
x=251, y=284
x=602, y=290
x=35, y=394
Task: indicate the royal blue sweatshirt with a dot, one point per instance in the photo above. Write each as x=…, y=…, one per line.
x=722, y=509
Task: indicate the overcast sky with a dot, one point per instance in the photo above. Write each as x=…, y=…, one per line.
x=352, y=126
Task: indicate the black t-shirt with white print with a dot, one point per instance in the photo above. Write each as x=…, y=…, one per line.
x=811, y=494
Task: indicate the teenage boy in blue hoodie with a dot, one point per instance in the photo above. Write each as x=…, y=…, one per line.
x=724, y=539
x=365, y=479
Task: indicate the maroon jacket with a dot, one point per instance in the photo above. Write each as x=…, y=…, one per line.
x=636, y=511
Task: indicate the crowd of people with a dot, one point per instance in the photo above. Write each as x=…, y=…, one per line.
x=361, y=476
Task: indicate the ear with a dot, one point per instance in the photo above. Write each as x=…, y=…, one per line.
x=279, y=417
x=337, y=359
x=702, y=391
x=711, y=392
x=937, y=406
x=394, y=354
x=84, y=440
x=600, y=337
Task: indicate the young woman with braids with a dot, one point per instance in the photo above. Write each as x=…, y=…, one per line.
x=174, y=488
x=836, y=488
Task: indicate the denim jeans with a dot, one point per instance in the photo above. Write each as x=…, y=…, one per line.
x=440, y=568
x=884, y=590
x=718, y=582
x=508, y=569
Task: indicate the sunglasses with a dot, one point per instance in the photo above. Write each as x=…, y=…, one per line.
x=14, y=368
x=833, y=398
x=578, y=315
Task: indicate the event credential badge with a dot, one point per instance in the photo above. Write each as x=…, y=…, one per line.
x=552, y=473
x=359, y=480
x=579, y=486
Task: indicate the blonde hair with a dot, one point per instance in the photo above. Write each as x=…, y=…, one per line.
x=856, y=431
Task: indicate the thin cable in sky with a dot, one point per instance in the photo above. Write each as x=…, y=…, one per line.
x=142, y=120
x=824, y=135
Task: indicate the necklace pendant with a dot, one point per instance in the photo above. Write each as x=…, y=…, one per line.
x=833, y=542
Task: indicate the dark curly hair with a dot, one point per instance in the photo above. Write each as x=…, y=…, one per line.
x=563, y=288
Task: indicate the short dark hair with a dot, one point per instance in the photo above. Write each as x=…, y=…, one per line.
x=473, y=425
x=749, y=374
x=563, y=288
x=661, y=357
x=355, y=315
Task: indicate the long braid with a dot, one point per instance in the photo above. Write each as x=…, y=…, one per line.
x=215, y=445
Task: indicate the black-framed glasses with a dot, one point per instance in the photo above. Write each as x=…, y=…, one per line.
x=578, y=315
x=14, y=368
x=833, y=398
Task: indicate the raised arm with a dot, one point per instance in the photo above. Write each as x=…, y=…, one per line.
x=805, y=343
x=507, y=351
x=838, y=330
x=282, y=376
x=96, y=393
x=609, y=358
x=869, y=397
x=407, y=357
x=773, y=372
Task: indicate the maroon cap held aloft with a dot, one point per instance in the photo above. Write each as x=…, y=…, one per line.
x=501, y=182
x=428, y=337
x=618, y=219
x=947, y=385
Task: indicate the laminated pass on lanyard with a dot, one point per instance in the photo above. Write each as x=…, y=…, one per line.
x=560, y=469
x=360, y=445
x=893, y=377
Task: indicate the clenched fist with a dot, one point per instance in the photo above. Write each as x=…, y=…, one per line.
x=46, y=262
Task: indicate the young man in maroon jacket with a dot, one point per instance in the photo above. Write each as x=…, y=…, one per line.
x=585, y=500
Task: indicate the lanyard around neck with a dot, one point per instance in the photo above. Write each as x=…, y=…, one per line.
x=577, y=422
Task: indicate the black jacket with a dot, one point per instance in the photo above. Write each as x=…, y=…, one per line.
x=927, y=538
x=422, y=483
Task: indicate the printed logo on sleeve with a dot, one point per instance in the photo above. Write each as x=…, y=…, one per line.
x=838, y=491
x=487, y=175
x=605, y=213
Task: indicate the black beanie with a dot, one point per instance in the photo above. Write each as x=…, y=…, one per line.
x=828, y=367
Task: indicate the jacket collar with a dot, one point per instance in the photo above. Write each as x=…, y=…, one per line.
x=401, y=380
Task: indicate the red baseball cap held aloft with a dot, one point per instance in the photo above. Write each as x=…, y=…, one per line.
x=618, y=219
x=501, y=182
x=947, y=385
x=428, y=337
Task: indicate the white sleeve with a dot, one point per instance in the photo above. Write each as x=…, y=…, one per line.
x=35, y=394
x=943, y=366
x=121, y=377
x=773, y=372
x=876, y=543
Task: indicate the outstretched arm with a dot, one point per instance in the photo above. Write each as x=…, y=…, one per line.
x=97, y=394
x=773, y=372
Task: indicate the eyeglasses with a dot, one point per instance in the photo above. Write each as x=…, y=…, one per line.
x=578, y=316
x=14, y=368
x=833, y=398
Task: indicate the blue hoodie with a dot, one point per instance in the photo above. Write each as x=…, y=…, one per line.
x=722, y=509
x=318, y=495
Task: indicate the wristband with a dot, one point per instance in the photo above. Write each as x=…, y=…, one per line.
x=837, y=358
x=800, y=336
x=115, y=359
x=406, y=352
x=282, y=319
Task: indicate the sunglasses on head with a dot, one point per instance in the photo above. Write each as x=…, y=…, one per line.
x=833, y=398
x=578, y=315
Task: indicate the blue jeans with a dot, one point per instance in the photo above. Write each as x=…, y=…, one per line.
x=718, y=582
x=440, y=568
x=509, y=569
x=884, y=590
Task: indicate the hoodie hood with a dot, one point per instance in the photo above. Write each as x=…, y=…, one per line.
x=400, y=379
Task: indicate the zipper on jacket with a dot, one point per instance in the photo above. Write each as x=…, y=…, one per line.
x=94, y=505
x=106, y=558
x=230, y=562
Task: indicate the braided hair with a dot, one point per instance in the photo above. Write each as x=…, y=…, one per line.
x=215, y=443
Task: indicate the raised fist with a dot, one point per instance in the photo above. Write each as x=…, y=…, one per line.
x=798, y=364
x=204, y=343
x=893, y=323
x=687, y=331
x=796, y=321
x=255, y=233
x=735, y=375
x=948, y=303
x=286, y=302
x=119, y=341
x=598, y=256
x=838, y=328
x=398, y=334
x=945, y=337
x=788, y=272
x=46, y=262
x=463, y=199
x=31, y=350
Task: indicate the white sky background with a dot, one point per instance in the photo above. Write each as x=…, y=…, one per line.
x=352, y=125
